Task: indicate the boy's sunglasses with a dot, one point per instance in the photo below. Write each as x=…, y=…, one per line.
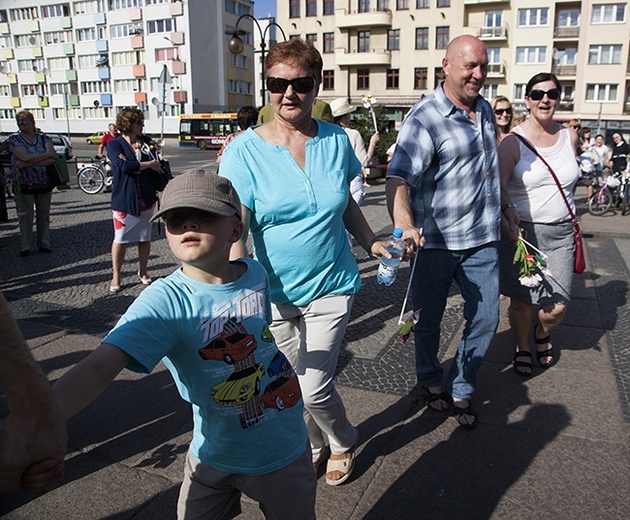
x=300, y=85
x=501, y=111
x=537, y=95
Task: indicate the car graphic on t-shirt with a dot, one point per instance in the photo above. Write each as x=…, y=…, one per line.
x=240, y=387
x=281, y=393
x=278, y=365
x=230, y=346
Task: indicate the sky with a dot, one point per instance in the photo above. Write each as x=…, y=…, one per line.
x=262, y=8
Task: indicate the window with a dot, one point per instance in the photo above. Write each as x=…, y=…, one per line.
x=601, y=92
x=392, y=78
x=121, y=31
x=422, y=4
x=533, y=17
x=328, y=80
x=5, y=91
x=311, y=38
x=55, y=11
x=444, y=3
x=329, y=42
x=172, y=53
x=311, y=7
x=24, y=13
x=569, y=18
x=364, y=41
x=238, y=61
x=88, y=61
x=439, y=76
x=30, y=65
x=608, y=13
x=604, y=54
x=363, y=79
x=393, y=39
x=441, y=37
x=494, y=60
x=382, y=5
x=87, y=34
x=126, y=85
x=494, y=18
x=58, y=64
x=420, y=76
x=58, y=88
x=531, y=55
x=161, y=26
x=52, y=38
x=364, y=6
x=422, y=38
x=24, y=40
x=294, y=8
x=329, y=6
x=565, y=56
x=95, y=87
x=156, y=2
x=127, y=58
x=123, y=4
x=402, y=4
x=490, y=90
x=230, y=6
x=89, y=7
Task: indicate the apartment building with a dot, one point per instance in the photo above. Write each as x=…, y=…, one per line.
x=76, y=63
x=394, y=49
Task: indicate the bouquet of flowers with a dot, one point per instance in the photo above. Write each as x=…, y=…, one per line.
x=532, y=267
x=368, y=102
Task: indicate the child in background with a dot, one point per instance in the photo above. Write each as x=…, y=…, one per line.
x=208, y=321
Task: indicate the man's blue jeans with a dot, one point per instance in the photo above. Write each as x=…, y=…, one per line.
x=476, y=273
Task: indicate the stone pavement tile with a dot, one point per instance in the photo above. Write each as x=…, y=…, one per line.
x=91, y=488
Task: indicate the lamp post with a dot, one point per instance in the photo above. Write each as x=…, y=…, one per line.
x=236, y=45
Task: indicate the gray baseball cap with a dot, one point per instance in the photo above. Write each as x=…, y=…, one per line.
x=200, y=190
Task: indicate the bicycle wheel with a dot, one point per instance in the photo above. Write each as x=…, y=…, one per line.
x=624, y=199
x=90, y=179
x=600, y=203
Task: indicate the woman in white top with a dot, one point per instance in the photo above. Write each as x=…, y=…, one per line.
x=533, y=207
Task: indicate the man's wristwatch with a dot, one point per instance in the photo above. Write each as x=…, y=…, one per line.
x=508, y=206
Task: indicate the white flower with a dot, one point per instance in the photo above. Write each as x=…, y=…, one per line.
x=533, y=280
x=368, y=100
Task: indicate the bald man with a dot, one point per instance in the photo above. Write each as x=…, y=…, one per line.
x=443, y=190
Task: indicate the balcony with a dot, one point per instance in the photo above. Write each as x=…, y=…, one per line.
x=43, y=101
x=179, y=67
x=139, y=71
x=4, y=28
x=15, y=102
x=177, y=38
x=102, y=45
x=475, y=2
x=106, y=100
x=566, y=104
x=71, y=75
x=12, y=78
x=140, y=97
x=496, y=70
x=564, y=70
x=135, y=14
x=137, y=42
x=346, y=19
x=103, y=73
x=492, y=33
x=66, y=22
x=7, y=53
x=38, y=52
x=74, y=100
x=180, y=96
x=40, y=77
x=354, y=58
x=176, y=9
x=68, y=49
x=100, y=19
x=566, y=32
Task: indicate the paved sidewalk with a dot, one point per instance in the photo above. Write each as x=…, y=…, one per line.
x=553, y=446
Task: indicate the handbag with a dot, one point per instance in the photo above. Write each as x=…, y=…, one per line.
x=579, y=262
x=54, y=175
x=163, y=177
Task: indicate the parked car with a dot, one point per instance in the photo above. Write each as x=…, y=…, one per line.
x=62, y=145
x=95, y=138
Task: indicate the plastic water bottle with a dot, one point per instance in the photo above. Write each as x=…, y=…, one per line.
x=388, y=267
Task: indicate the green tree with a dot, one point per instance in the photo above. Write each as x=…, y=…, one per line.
x=362, y=121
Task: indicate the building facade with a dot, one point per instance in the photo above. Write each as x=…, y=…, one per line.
x=394, y=49
x=76, y=63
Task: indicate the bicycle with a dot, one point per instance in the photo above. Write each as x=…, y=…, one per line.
x=615, y=189
x=96, y=176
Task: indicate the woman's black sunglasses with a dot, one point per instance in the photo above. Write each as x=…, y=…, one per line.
x=501, y=111
x=537, y=95
x=300, y=85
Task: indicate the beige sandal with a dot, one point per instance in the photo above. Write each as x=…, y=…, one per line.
x=344, y=466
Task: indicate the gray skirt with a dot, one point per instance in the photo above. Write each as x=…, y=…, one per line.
x=556, y=241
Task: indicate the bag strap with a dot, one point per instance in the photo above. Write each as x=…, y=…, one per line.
x=553, y=174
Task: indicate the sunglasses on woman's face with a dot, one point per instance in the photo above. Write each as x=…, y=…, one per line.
x=300, y=85
x=537, y=94
x=501, y=111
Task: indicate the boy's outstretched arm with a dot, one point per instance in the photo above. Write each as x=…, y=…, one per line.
x=86, y=380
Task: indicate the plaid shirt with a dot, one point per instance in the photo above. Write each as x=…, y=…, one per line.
x=451, y=166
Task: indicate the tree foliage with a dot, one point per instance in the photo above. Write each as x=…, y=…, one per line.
x=362, y=121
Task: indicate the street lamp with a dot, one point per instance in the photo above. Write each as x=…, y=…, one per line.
x=236, y=45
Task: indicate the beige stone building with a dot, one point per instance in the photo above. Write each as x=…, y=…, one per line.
x=394, y=49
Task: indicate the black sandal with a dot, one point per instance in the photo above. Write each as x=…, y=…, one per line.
x=522, y=364
x=544, y=353
x=430, y=397
x=458, y=412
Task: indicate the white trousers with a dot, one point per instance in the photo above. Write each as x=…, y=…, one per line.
x=310, y=337
x=40, y=203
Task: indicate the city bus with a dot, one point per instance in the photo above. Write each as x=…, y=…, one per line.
x=206, y=130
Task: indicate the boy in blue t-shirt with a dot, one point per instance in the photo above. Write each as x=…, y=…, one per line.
x=209, y=323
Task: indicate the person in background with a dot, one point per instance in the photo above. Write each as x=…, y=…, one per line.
x=112, y=133
x=34, y=435
x=246, y=116
x=588, y=159
x=602, y=151
x=292, y=175
x=4, y=214
x=503, y=112
x=443, y=181
x=341, y=110
x=321, y=110
x=534, y=208
x=31, y=152
x=133, y=194
x=620, y=152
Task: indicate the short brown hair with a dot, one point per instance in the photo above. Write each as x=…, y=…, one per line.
x=26, y=114
x=127, y=117
x=297, y=53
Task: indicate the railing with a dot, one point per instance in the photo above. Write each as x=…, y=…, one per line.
x=566, y=32
x=498, y=33
x=564, y=70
